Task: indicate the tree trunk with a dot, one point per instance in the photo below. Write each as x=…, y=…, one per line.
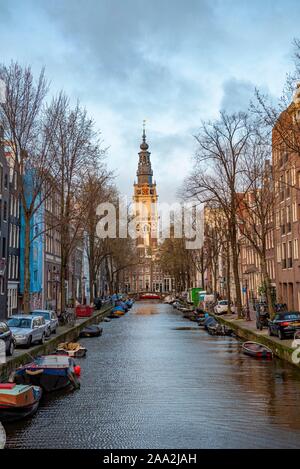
x=235, y=268
x=92, y=283
x=228, y=289
x=63, y=278
x=91, y=240
x=26, y=294
x=267, y=287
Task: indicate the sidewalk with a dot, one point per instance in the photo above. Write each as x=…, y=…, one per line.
x=247, y=330
x=22, y=356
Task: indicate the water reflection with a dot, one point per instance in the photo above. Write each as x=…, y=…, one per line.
x=150, y=381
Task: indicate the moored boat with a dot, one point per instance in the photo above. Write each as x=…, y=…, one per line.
x=149, y=296
x=114, y=315
x=50, y=372
x=18, y=401
x=91, y=331
x=119, y=310
x=72, y=349
x=254, y=349
x=209, y=321
x=219, y=329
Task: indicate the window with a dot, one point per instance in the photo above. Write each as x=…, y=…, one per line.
x=289, y=255
x=1, y=179
x=278, y=253
x=5, y=181
x=13, y=266
x=5, y=210
x=296, y=249
x=288, y=183
x=288, y=219
x=283, y=255
x=3, y=248
x=281, y=188
x=295, y=215
x=277, y=218
x=293, y=176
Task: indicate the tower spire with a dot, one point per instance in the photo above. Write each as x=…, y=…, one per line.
x=144, y=130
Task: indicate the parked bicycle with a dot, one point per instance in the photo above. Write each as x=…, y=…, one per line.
x=67, y=317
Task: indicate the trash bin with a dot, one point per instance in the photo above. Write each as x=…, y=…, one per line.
x=84, y=311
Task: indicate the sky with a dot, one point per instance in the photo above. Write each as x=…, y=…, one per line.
x=171, y=62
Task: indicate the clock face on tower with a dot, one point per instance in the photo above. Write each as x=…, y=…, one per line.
x=145, y=190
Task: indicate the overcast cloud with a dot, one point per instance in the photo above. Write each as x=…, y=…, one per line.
x=171, y=62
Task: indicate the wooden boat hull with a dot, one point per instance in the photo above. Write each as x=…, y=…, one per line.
x=12, y=413
x=81, y=353
x=256, y=350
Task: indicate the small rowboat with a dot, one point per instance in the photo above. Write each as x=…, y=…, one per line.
x=91, y=331
x=149, y=296
x=72, y=349
x=254, y=349
x=18, y=401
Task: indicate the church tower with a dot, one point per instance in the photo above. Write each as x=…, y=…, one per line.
x=145, y=202
x=146, y=275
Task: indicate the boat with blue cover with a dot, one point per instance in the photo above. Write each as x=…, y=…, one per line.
x=50, y=372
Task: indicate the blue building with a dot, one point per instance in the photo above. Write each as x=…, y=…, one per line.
x=4, y=222
x=36, y=249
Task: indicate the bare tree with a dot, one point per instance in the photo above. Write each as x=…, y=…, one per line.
x=222, y=146
x=256, y=213
x=27, y=131
x=96, y=190
x=76, y=151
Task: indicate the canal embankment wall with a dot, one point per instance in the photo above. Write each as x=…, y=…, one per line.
x=64, y=334
x=279, y=348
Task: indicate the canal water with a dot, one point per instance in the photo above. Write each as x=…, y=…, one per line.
x=156, y=380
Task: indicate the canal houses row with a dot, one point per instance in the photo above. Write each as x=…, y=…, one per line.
x=282, y=173
x=45, y=282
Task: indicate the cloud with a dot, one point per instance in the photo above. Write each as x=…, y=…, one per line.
x=237, y=95
x=171, y=62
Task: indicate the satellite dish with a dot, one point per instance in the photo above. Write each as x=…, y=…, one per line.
x=2, y=436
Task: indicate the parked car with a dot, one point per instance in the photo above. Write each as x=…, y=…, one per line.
x=50, y=318
x=7, y=336
x=221, y=307
x=28, y=329
x=285, y=324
